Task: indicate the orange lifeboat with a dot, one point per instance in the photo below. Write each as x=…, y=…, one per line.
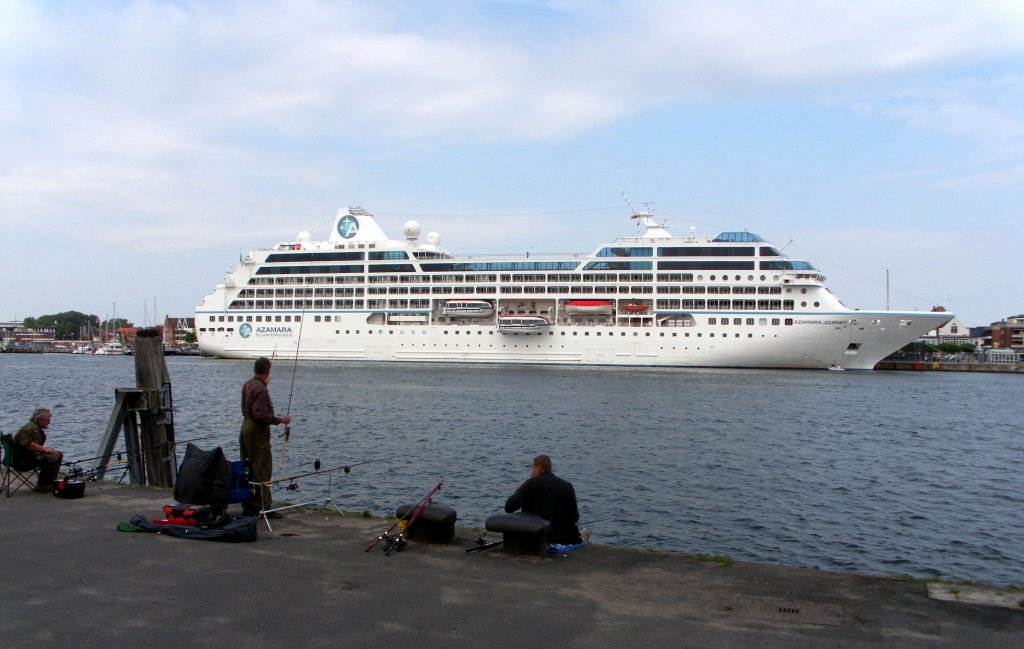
x=633, y=307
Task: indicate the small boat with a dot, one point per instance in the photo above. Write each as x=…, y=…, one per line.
x=836, y=368
x=588, y=306
x=112, y=348
x=510, y=324
x=467, y=308
x=633, y=307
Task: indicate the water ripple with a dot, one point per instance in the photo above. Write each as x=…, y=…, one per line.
x=873, y=473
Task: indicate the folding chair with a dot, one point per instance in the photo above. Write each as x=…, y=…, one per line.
x=13, y=471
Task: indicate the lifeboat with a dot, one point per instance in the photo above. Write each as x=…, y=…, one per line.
x=588, y=306
x=468, y=308
x=511, y=324
x=633, y=307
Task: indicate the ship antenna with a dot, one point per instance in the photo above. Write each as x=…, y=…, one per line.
x=626, y=198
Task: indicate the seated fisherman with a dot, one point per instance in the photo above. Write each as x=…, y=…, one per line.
x=549, y=497
x=29, y=449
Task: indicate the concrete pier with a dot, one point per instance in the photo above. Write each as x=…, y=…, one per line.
x=69, y=578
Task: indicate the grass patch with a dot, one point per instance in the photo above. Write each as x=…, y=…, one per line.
x=720, y=559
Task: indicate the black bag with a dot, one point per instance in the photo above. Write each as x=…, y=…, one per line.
x=204, y=478
x=68, y=489
x=238, y=528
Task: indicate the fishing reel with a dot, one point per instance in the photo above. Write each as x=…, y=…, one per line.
x=394, y=543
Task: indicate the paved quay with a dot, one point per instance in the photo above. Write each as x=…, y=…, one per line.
x=69, y=578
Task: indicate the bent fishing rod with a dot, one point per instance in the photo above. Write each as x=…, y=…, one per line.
x=392, y=543
x=286, y=435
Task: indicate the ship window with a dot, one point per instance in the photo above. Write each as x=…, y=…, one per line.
x=750, y=321
x=277, y=318
x=803, y=304
x=712, y=334
x=789, y=321
x=737, y=321
x=316, y=318
x=775, y=321
x=712, y=320
x=817, y=304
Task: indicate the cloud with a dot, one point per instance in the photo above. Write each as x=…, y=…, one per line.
x=160, y=110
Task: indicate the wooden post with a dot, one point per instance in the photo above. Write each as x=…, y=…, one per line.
x=157, y=420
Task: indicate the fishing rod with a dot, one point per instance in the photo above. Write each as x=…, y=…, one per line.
x=291, y=391
x=347, y=468
x=397, y=542
x=71, y=463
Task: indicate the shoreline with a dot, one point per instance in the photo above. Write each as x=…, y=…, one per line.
x=311, y=583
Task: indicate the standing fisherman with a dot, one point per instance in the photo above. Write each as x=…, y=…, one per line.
x=254, y=440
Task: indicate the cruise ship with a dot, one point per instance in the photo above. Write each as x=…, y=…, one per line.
x=653, y=299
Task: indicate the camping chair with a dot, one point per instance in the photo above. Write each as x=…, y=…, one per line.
x=13, y=471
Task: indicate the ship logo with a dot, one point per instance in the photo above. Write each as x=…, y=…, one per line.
x=245, y=330
x=348, y=226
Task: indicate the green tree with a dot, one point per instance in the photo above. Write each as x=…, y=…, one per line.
x=67, y=325
x=189, y=338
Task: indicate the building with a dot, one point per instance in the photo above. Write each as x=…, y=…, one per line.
x=14, y=336
x=175, y=330
x=953, y=331
x=1009, y=334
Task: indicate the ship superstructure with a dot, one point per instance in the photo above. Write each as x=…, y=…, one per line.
x=648, y=300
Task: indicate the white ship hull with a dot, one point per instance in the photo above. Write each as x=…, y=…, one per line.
x=363, y=297
x=814, y=344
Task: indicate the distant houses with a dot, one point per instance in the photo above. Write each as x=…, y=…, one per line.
x=177, y=334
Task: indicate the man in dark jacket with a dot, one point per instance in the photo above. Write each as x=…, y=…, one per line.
x=549, y=497
x=30, y=450
x=257, y=418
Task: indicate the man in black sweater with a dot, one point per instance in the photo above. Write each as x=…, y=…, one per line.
x=549, y=497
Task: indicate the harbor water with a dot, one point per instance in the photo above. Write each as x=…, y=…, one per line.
x=879, y=473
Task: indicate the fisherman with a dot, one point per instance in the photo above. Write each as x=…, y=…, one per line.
x=254, y=439
x=30, y=452
x=552, y=498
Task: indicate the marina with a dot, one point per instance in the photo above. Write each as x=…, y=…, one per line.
x=652, y=299
x=877, y=473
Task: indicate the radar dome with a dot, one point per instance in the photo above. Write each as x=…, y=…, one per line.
x=412, y=230
x=304, y=235
x=433, y=238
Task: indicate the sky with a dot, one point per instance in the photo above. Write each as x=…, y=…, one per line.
x=145, y=146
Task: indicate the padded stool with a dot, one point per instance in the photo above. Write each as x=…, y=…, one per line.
x=522, y=533
x=435, y=524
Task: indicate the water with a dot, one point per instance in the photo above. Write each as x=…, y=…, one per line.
x=877, y=473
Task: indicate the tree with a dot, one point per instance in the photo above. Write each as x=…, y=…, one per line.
x=67, y=325
x=189, y=338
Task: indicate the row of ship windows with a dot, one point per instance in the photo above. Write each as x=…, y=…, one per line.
x=475, y=290
x=378, y=269
x=762, y=322
x=609, y=251
x=723, y=305
x=646, y=334
x=505, y=278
